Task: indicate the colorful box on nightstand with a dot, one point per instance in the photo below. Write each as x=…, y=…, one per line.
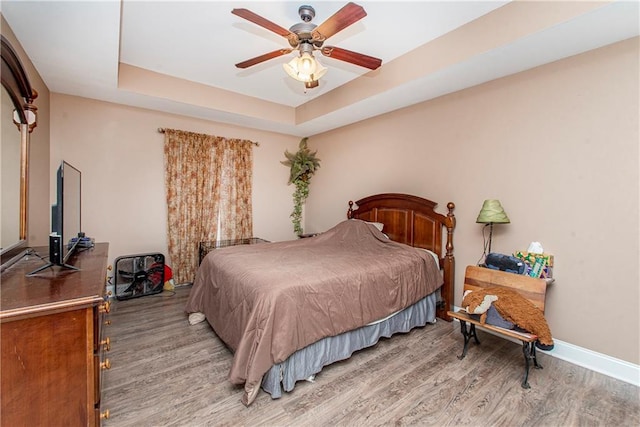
x=539, y=265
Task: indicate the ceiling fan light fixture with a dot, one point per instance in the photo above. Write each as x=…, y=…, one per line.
x=304, y=68
x=320, y=71
x=291, y=68
x=306, y=38
x=306, y=63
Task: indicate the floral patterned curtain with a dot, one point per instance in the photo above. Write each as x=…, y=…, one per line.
x=208, y=189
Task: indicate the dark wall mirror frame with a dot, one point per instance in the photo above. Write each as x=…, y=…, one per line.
x=16, y=83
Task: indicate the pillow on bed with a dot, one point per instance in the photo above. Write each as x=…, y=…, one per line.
x=433, y=254
x=377, y=225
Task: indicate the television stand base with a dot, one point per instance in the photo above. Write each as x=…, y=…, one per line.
x=50, y=264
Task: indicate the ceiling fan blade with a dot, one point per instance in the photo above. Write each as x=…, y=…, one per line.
x=267, y=56
x=265, y=23
x=353, y=57
x=340, y=20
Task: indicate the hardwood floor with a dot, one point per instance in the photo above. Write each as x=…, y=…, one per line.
x=165, y=372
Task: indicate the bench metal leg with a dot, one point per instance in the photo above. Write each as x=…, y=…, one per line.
x=529, y=351
x=467, y=336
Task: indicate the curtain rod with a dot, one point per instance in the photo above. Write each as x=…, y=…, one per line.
x=257, y=144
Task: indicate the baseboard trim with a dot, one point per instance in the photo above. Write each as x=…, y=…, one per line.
x=597, y=362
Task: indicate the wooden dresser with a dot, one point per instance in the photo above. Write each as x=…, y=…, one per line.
x=51, y=328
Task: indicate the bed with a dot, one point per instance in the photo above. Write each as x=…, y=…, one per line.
x=287, y=309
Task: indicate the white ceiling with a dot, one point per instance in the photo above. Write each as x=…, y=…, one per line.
x=77, y=46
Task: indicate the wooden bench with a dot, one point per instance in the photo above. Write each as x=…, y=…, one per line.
x=532, y=289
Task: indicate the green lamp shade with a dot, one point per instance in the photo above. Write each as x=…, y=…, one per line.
x=492, y=212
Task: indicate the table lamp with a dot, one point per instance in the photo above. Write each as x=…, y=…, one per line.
x=491, y=213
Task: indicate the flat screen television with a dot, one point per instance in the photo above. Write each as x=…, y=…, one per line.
x=66, y=224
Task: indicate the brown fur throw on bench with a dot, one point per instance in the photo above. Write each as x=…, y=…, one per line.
x=512, y=307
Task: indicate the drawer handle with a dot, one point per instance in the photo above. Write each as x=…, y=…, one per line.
x=104, y=415
x=106, y=364
x=106, y=307
x=106, y=343
x=107, y=322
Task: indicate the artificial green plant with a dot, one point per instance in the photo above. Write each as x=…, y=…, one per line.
x=303, y=165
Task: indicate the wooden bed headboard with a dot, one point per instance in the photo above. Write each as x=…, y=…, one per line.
x=413, y=221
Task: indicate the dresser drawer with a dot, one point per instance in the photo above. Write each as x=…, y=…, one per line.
x=44, y=369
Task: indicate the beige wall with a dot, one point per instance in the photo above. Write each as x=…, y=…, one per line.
x=558, y=145
x=38, y=207
x=120, y=153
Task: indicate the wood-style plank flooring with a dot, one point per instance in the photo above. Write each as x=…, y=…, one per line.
x=165, y=372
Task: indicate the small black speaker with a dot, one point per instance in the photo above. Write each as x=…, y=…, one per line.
x=507, y=263
x=55, y=249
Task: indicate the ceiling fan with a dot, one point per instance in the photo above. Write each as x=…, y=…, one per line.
x=306, y=38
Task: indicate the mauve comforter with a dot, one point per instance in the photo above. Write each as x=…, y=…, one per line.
x=265, y=301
